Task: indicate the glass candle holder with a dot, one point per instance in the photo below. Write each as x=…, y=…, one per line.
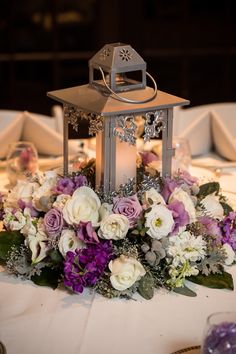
x=22, y=160
x=182, y=157
x=220, y=334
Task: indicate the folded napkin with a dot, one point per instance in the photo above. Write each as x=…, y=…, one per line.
x=208, y=128
x=38, y=129
x=224, y=137
x=10, y=130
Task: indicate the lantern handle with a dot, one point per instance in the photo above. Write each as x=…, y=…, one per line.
x=120, y=98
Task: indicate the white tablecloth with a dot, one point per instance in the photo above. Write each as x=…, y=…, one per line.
x=38, y=320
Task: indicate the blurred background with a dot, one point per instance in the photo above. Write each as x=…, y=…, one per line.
x=189, y=46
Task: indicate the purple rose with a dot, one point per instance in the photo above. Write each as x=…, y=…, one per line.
x=129, y=207
x=180, y=215
x=147, y=157
x=53, y=222
x=86, y=233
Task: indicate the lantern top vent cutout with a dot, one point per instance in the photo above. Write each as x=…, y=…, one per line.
x=118, y=62
x=111, y=106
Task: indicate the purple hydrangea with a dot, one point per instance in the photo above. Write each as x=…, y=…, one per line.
x=86, y=233
x=53, y=222
x=129, y=207
x=67, y=185
x=85, y=266
x=228, y=228
x=180, y=215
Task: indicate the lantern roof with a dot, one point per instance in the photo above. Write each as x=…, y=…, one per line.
x=118, y=57
x=91, y=100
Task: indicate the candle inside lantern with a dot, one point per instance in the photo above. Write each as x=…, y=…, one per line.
x=125, y=162
x=115, y=161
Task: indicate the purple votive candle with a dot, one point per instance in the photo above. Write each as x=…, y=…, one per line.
x=220, y=339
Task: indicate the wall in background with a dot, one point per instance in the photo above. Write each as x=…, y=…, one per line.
x=189, y=46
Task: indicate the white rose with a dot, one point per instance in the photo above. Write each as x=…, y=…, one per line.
x=38, y=245
x=230, y=254
x=212, y=207
x=61, y=200
x=160, y=221
x=125, y=272
x=69, y=242
x=182, y=196
x=23, y=190
x=105, y=210
x=154, y=196
x=83, y=206
x=114, y=227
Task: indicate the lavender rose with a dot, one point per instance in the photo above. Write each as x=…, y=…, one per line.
x=53, y=222
x=129, y=207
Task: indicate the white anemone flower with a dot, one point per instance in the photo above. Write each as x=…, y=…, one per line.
x=160, y=221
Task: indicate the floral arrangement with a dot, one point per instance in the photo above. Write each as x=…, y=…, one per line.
x=162, y=232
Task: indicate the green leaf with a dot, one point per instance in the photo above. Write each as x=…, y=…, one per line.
x=48, y=277
x=7, y=240
x=215, y=281
x=209, y=188
x=183, y=290
x=146, y=286
x=227, y=208
x=55, y=256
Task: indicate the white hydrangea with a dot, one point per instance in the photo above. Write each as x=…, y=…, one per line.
x=186, y=247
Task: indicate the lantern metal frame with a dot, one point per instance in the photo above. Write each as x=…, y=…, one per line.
x=114, y=118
